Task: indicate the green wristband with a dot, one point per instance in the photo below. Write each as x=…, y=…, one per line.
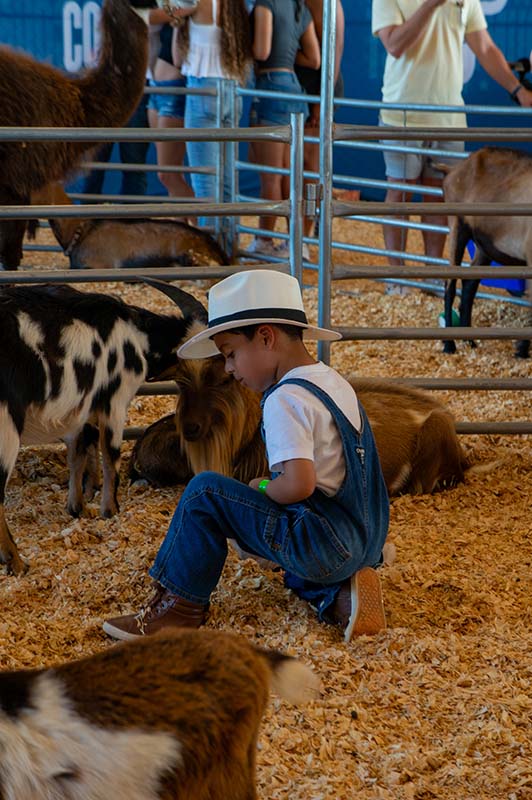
x=263, y=484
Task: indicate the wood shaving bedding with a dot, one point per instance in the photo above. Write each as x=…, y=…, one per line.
x=439, y=705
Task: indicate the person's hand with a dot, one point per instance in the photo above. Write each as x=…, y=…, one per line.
x=524, y=97
x=254, y=484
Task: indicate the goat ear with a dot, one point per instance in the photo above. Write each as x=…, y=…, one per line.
x=190, y=307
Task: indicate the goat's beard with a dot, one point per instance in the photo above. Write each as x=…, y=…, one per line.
x=226, y=449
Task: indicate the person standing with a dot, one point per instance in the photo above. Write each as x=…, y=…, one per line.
x=283, y=35
x=168, y=111
x=212, y=45
x=310, y=80
x=424, y=64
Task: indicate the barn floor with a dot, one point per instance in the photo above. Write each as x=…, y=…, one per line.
x=438, y=706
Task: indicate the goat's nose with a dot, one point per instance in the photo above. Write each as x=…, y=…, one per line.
x=192, y=431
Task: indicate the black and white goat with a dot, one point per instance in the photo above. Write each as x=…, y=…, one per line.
x=68, y=359
x=172, y=717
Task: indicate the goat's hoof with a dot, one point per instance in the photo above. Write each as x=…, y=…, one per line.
x=522, y=350
x=449, y=348
x=472, y=343
x=107, y=513
x=16, y=566
x=75, y=510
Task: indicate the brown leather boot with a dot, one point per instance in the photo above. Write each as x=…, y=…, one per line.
x=164, y=610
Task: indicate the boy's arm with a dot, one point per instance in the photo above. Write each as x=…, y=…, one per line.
x=295, y=484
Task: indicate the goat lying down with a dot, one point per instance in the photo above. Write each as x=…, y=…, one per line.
x=117, y=243
x=76, y=358
x=216, y=427
x=495, y=175
x=175, y=717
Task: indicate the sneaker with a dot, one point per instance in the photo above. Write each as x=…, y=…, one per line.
x=359, y=609
x=397, y=289
x=262, y=246
x=282, y=249
x=163, y=610
x=306, y=253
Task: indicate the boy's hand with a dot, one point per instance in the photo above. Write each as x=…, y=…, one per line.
x=255, y=482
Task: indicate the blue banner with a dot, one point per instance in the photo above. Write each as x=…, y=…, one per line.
x=65, y=35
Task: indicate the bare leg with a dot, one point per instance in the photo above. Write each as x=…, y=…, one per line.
x=434, y=242
x=396, y=238
x=271, y=154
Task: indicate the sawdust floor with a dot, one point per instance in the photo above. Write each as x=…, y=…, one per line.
x=438, y=706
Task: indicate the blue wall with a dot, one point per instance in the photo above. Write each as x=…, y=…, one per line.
x=63, y=33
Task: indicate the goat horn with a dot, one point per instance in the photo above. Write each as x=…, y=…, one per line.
x=190, y=307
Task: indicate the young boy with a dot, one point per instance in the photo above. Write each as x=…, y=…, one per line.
x=322, y=515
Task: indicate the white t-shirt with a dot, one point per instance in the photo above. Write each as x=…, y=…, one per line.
x=298, y=425
x=431, y=71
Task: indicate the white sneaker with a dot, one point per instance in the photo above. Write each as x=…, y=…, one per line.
x=262, y=246
x=306, y=253
x=282, y=249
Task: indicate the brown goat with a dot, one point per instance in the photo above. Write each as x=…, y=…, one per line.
x=490, y=175
x=34, y=94
x=116, y=243
x=172, y=717
x=216, y=427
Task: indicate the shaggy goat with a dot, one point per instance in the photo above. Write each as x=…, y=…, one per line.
x=116, y=243
x=38, y=95
x=216, y=427
x=76, y=358
x=172, y=717
x=488, y=175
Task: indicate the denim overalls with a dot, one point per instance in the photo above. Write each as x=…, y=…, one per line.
x=319, y=542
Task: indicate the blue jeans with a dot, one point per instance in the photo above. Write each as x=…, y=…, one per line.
x=200, y=112
x=276, y=111
x=214, y=508
x=130, y=153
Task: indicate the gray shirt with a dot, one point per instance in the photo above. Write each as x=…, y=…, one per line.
x=287, y=31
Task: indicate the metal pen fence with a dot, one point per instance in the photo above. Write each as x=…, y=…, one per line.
x=321, y=203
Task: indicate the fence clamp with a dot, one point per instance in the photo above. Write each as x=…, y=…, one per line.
x=313, y=196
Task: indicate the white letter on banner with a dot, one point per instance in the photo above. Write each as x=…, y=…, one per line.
x=72, y=53
x=91, y=32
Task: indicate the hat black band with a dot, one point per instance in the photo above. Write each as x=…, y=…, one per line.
x=283, y=314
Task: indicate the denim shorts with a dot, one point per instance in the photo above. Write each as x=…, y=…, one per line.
x=276, y=111
x=168, y=105
x=410, y=166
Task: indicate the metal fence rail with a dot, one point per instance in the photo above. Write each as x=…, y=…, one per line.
x=330, y=136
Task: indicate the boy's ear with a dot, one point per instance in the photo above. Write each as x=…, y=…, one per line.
x=266, y=334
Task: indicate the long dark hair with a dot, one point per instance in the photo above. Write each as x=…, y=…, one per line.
x=236, y=56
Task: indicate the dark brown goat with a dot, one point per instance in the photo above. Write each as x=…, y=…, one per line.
x=33, y=94
x=216, y=427
x=490, y=175
x=172, y=717
x=116, y=243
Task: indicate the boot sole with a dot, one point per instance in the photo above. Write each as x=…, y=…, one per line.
x=366, y=598
x=117, y=633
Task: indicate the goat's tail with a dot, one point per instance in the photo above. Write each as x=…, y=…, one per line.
x=290, y=679
x=441, y=167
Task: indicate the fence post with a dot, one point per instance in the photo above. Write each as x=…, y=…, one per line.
x=326, y=171
x=297, y=132
x=232, y=156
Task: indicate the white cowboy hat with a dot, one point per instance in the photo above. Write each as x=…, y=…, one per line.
x=250, y=298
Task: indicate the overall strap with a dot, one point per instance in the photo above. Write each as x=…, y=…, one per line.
x=326, y=399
